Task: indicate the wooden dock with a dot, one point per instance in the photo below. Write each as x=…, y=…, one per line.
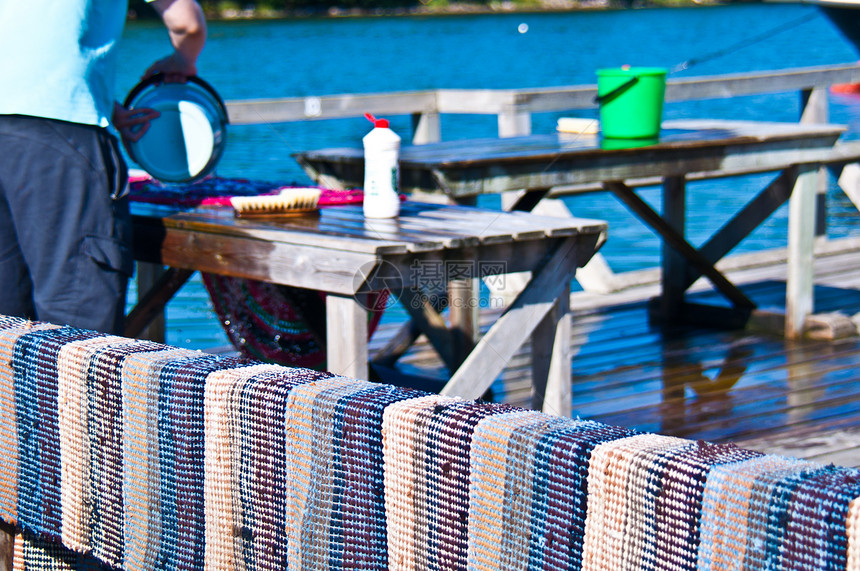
x=751, y=387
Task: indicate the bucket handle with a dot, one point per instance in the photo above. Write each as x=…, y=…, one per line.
x=158, y=79
x=606, y=97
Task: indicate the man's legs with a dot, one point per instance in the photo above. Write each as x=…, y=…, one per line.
x=61, y=182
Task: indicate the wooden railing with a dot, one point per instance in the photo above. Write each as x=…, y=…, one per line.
x=514, y=107
x=197, y=461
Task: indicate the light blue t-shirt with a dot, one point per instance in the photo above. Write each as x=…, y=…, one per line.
x=59, y=57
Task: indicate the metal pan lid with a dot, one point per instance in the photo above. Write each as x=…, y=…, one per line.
x=186, y=142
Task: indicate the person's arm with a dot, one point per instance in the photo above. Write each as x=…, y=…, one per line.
x=187, y=28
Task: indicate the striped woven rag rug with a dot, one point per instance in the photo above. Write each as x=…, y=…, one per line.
x=132, y=454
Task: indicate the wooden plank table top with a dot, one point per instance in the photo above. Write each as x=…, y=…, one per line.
x=339, y=252
x=464, y=168
x=305, y=250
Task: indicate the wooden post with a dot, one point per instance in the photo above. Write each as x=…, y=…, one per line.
x=673, y=264
x=815, y=109
x=426, y=128
x=801, y=227
x=514, y=123
x=346, y=339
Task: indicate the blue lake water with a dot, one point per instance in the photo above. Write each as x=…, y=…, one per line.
x=300, y=57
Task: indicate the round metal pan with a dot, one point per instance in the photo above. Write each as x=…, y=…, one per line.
x=186, y=142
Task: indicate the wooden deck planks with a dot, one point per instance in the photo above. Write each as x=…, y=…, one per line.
x=748, y=387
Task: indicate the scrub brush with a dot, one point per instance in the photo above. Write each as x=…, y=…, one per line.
x=288, y=202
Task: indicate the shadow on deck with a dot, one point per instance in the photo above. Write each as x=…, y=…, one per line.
x=749, y=387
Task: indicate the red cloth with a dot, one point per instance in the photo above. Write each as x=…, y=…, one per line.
x=217, y=191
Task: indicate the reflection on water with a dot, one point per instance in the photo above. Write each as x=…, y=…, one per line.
x=708, y=384
x=803, y=376
x=758, y=379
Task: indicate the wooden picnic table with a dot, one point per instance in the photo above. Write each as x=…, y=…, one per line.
x=339, y=252
x=687, y=150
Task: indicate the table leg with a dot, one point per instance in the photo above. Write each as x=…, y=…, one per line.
x=746, y=220
x=156, y=286
x=525, y=200
x=463, y=296
x=801, y=243
x=677, y=241
x=147, y=276
x=346, y=337
x=674, y=267
x=497, y=347
x=424, y=313
x=551, y=360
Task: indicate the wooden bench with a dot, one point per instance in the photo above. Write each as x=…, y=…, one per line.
x=137, y=455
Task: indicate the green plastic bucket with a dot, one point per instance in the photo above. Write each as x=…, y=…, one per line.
x=631, y=101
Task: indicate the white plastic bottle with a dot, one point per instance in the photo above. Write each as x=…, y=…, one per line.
x=381, y=171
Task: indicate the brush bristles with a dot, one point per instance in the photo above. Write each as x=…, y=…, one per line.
x=289, y=201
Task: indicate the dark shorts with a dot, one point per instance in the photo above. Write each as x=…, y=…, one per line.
x=65, y=229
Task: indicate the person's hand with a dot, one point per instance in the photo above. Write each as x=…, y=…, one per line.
x=132, y=124
x=175, y=67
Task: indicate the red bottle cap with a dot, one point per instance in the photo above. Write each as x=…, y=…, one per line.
x=381, y=123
